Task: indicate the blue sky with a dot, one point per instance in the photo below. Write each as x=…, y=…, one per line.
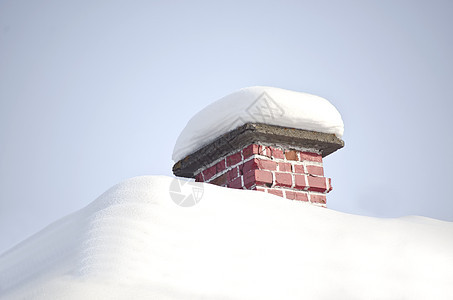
x=94, y=92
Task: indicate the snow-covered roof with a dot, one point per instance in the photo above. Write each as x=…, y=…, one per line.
x=134, y=242
x=258, y=104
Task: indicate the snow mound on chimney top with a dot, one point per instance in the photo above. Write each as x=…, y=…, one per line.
x=258, y=104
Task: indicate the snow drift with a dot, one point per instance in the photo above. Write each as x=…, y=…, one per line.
x=134, y=242
x=258, y=104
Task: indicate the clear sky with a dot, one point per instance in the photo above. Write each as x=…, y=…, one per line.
x=94, y=92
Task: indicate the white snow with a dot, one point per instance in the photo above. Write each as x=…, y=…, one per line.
x=134, y=242
x=258, y=104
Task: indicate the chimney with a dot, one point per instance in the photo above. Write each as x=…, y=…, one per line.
x=280, y=160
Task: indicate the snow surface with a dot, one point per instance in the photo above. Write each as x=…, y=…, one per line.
x=134, y=242
x=258, y=104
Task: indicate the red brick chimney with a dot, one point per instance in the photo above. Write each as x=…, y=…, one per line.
x=282, y=161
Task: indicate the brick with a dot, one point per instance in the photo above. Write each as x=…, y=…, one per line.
x=257, y=163
x=330, y=184
x=209, y=172
x=283, y=179
x=221, y=180
x=294, y=195
x=236, y=183
x=317, y=184
x=234, y=159
x=250, y=150
x=263, y=177
x=249, y=179
x=249, y=184
x=276, y=153
x=310, y=156
x=265, y=164
x=258, y=177
x=233, y=173
x=299, y=169
x=284, y=167
x=248, y=166
x=301, y=196
x=291, y=154
x=291, y=195
x=300, y=181
x=220, y=166
x=215, y=169
x=275, y=192
x=315, y=170
x=318, y=198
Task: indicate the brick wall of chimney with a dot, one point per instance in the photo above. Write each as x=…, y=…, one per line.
x=292, y=174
